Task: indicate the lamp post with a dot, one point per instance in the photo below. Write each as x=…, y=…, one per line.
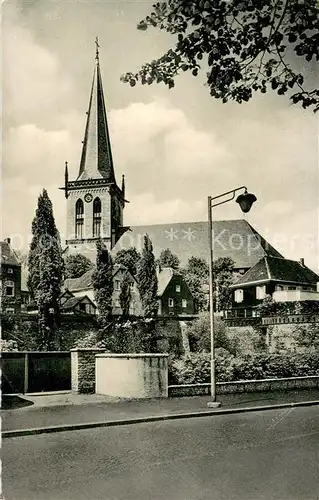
x=245, y=201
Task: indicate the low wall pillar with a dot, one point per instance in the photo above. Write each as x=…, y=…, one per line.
x=83, y=369
x=136, y=376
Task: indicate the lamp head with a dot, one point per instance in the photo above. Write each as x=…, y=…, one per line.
x=245, y=201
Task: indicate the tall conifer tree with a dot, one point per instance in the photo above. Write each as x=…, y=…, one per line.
x=147, y=279
x=126, y=294
x=103, y=284
x=46, y=269
x=147, y=285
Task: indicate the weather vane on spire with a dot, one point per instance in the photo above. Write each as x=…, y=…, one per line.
x=97, y=48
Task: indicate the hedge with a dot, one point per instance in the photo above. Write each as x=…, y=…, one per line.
x=195, y=368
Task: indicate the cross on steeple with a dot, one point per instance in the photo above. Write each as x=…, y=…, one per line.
x=97, y=48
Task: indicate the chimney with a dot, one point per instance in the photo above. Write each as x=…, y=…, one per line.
x=302, y=262
x=8, y=240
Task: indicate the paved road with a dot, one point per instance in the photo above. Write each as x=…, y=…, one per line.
x=270, y=455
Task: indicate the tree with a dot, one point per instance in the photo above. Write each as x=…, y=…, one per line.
x=76, y=265
x=245, y=46
x=129, y=258
x=147, y=283
x=126, y=294
x=46, y=268
x=147, y=279
x=102, y=280
x=198, y=332
x=196, y=276
x=223, y=278
x=169, y=259
x=267, y=307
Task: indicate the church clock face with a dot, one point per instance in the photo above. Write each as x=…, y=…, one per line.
x=88, y=197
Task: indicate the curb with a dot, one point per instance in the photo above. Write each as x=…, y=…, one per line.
x=155, y=418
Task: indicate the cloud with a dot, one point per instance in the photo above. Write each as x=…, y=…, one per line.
x=35, y=88
x=147, y=210
x=158, y=139
x=35, y=154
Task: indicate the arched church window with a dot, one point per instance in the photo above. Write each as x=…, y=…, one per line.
x=97, y=209
x=79, y=219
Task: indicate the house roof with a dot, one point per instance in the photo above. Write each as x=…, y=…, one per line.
x=236, y=239
x=272, y=268
x=84, y=282
x=8, y=255
x=73, y=301
x=164, y=276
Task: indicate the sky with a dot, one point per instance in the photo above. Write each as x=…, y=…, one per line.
x=175, y=146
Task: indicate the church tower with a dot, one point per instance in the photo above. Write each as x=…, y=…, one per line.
x=95, y=202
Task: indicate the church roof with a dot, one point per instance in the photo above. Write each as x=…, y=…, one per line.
x=236, y=239
x=96, y=159
x=272, y=268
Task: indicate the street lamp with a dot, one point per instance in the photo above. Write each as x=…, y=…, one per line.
x=245, y=201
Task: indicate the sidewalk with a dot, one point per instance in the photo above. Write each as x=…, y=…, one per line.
x=67, y=409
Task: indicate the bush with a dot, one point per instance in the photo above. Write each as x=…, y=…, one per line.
x=8, y=345
x=245, y=340
x=198, y=332
x=195, y=368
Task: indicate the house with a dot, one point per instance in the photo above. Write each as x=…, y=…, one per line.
x=83, y=286
x=10, y=275
x=174, y=295
x=283, y=279
x=70, y=304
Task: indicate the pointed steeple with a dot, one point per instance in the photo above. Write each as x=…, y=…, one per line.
x=96, y=159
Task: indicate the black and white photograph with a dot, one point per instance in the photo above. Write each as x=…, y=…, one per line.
x=159, y=250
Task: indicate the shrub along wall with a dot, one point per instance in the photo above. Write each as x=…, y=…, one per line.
x=195, y=368
x=246, y=339
x=293, y=337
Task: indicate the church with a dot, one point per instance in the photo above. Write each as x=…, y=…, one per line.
x=96, y=202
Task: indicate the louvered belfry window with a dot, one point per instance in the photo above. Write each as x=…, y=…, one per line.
x=79, y=219
x=97, y=209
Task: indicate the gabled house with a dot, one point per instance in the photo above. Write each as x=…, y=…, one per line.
x=76, y=305
x=174, y=295
x=83, y=286
x=10, y=276
x=283, y=279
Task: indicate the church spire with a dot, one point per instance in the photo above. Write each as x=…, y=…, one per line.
x=96, y=159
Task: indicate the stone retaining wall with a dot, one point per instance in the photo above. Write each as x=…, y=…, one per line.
x=276, y=384
x=83, y=369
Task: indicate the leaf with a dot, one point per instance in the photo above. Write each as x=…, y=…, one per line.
x=142, y=26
